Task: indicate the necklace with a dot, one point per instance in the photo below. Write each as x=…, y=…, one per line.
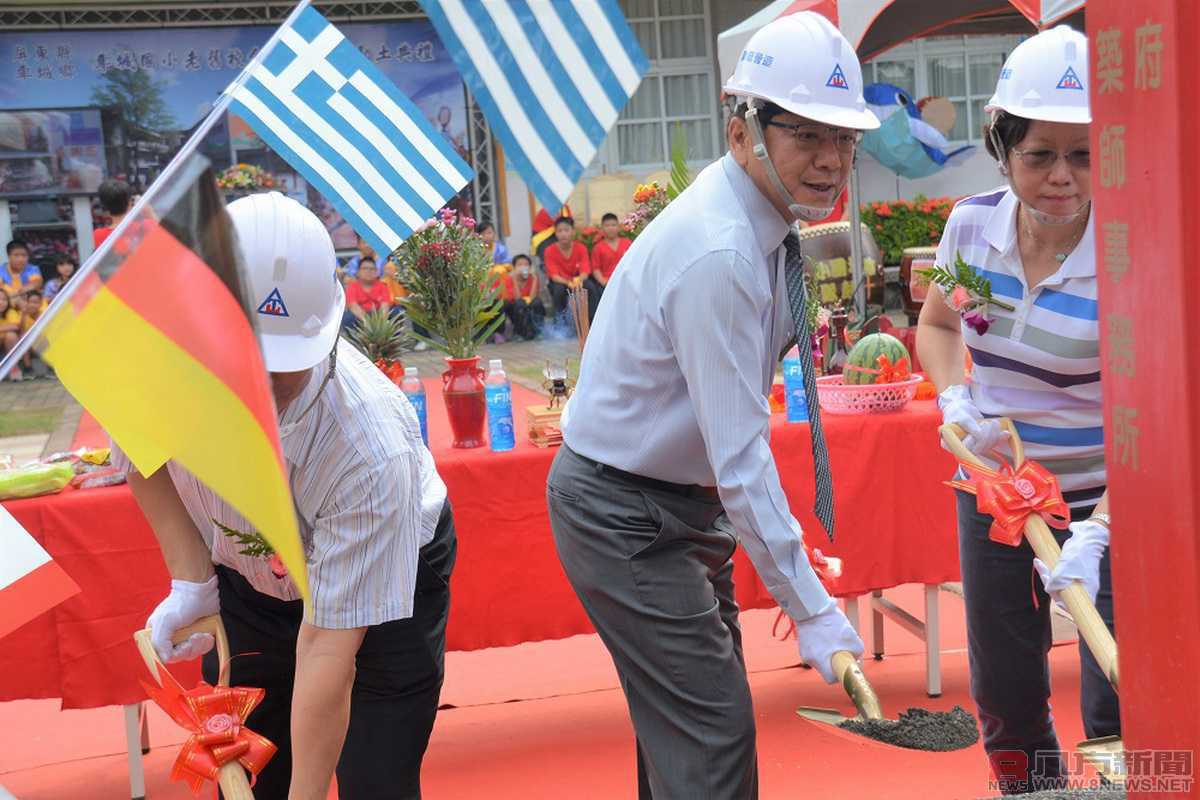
x=1061, y=256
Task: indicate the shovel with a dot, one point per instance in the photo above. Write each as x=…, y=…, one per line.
x=232, y=779
x=917, y=729
x=1105, y=754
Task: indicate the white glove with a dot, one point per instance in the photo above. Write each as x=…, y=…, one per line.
x=1080, y=560
x=822, y=635
x=982, y=435
x=187, y=602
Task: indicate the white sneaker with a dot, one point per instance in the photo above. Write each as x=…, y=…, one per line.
x=421, y=347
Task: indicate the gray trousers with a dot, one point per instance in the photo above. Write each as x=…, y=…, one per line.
x=656, y=580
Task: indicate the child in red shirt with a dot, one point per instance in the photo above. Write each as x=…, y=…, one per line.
x=365, y=294
x=522, y=303
x=605, y=255
x=567, y=264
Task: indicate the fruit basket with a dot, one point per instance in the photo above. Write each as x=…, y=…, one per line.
x=871, y=398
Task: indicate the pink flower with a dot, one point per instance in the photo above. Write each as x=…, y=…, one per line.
x=277, y=567
x=977, y=322
x=960, y=298
x=1024, y=487
x=219, y=723
x=467, y=222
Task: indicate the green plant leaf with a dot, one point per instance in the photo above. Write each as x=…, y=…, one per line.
x=681, y=176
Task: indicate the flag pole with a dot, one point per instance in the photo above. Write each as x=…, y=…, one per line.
x=220, y=106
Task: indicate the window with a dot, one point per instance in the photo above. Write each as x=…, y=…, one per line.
x=679, y=88
x=963, y=69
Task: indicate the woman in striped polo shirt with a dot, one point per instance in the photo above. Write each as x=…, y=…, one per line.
x=1038, y=365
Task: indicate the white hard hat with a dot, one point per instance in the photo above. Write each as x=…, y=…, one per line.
x=297, y=299
x=803, y=64
x=1046, y=78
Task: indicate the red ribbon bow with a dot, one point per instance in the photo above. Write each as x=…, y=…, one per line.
x=892, y=373
x=887, y=372
x=215, y=715
x=1011, y=496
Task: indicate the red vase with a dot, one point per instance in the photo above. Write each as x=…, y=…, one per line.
x=462, y=389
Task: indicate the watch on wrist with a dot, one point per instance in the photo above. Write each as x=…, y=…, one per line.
x=1102, y=518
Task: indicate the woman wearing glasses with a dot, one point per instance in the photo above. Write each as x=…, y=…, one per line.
x=1039, y=365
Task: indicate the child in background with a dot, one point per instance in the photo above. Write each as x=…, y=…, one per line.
x=10, y=330
x=487, y=232
x=65, y=267
x=567, y=264
x=522, y=303
x=605, y=255
x=365, y=294
x=32, y=305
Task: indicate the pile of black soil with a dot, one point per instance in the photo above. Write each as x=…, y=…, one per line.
x=920, y=729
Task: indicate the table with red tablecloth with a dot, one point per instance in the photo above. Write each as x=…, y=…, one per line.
x=895, y=525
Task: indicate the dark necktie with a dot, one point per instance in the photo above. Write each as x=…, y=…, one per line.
x=794, y=275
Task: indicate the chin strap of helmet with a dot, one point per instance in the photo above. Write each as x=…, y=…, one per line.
x=797, y=210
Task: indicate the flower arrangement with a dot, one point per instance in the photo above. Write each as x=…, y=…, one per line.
x=906, y=223
x=965, y=291
x=589, y=235
x=445, y=267
x=245, y=177
x=649, y=201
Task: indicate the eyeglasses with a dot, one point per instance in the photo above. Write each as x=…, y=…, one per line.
x=810, y=138
x=1043, y=159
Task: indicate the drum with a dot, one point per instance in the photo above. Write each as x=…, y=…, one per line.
x=912, y=289
x=828, y=249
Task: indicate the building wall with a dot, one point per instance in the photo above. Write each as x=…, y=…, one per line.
x=962, y=69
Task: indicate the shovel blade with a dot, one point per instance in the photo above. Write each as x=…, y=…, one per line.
x=826, y=715
x=1107, y=756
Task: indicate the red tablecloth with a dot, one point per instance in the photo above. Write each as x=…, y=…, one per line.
x=895, y=525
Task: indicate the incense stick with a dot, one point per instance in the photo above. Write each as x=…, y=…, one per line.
x=578, y=300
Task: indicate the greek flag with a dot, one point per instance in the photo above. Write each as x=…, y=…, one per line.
x=551, y=76
x=343, y=125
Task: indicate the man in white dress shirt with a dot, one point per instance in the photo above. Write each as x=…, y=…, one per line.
x=353, y=684
x=667, y=431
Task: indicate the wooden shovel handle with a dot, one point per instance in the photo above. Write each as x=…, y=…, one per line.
x=1075, y=597
x=232, y=778
x=953, y=435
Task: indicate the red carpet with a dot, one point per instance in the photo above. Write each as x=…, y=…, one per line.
x=546, y=720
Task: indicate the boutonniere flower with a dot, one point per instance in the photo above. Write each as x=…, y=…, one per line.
x=255, y=546
x=965, y=291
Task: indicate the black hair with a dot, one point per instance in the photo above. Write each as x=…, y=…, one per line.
x=32, y=292
x=114, y=196
x=14, y=244
x=564, y=219
x=365, y=259
x=521, y=257
x=64, y=259
x=1009, y=129
x=766, y=111
x=609, y=216
x=484, y=226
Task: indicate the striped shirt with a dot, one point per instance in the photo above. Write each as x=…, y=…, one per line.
x=679, y=362
x=366, y=491
x=1040, y=364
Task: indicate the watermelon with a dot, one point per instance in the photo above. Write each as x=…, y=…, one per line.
x=863, y=364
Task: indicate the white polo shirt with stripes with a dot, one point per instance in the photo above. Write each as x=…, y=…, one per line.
x=1040, y=364
x=367, y=496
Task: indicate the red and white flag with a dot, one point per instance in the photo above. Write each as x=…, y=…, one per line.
x=30, y=582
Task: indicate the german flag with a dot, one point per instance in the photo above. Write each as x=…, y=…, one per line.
x=157, y=345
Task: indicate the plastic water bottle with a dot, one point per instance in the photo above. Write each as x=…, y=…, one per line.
x=793, y=387
x=498, y=392
x=415, y=392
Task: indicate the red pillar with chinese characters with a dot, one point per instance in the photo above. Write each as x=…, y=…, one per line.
x=1146, y=118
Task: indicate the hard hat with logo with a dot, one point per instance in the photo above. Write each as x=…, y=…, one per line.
x=1045, y=78
x=803, y=64
x=297, y=299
